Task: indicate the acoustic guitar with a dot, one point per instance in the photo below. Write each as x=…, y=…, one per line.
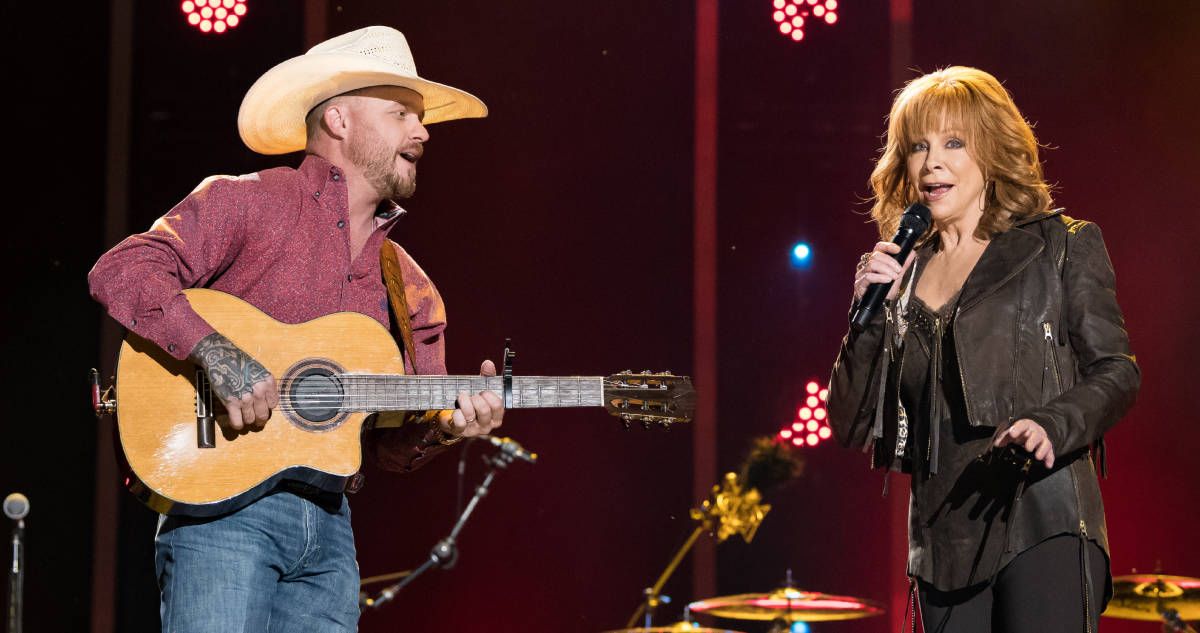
x=333, y=373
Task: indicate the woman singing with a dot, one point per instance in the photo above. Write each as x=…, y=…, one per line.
x=994, y=369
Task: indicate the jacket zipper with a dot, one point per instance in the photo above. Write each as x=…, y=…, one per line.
x=1083, y=539
x=962, y=380
x=1049, y=332
x=935, y=347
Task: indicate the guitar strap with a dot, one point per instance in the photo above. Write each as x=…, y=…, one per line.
x=393, y=279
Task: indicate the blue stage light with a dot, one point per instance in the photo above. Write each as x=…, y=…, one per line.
x=801, y=255
x=800, y=627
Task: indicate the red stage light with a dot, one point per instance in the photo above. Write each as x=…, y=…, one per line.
x=810, y=426
x=214, y=15
x=790, y=16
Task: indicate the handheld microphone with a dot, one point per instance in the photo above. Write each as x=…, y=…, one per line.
x=16, y=507
x=913, y=224
x=510, y=447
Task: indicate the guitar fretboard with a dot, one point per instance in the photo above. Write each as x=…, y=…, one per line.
x=368, y=392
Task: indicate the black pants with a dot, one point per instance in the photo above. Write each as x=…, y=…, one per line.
x=1040, y=591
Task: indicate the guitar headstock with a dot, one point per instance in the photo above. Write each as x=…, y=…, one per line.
x=650, y=398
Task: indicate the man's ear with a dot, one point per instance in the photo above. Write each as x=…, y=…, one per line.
x=337, y=119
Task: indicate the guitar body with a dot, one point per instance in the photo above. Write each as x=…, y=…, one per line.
x=157, y=400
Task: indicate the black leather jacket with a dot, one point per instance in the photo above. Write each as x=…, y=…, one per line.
x=1039, y=335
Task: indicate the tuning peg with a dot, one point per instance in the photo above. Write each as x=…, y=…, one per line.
x=624, y=372
x=647, y=372
x=665, y=424
x=625, y=421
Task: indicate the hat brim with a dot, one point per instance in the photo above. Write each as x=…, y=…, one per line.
x=271, y=118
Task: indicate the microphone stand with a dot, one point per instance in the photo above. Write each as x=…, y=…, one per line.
x=445, y=553
x=16, y=577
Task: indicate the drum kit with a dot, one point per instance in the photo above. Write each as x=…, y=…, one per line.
x=1170, y=600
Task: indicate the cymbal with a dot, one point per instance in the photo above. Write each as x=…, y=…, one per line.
x=790, y=604
x=1140, y=597
x=678, y=627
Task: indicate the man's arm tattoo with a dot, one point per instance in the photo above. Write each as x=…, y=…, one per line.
x=231, y=372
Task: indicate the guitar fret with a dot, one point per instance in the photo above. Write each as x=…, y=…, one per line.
x=371, y=392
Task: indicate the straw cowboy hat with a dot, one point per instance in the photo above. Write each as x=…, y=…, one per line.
x=271, y=119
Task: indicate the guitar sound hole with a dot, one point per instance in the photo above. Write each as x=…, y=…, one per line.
x=316, y=395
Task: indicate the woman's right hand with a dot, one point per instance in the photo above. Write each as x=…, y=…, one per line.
x=879, y=267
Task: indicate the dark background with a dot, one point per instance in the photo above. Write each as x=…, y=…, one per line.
x=564, y=221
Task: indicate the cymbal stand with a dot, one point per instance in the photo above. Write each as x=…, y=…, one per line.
x=445, y=553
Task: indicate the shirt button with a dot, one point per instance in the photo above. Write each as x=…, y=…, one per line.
x=133, y=322
x=337, y=177
x=171, y=348
x=349, y=277
x=341, y=224
x=316, y=194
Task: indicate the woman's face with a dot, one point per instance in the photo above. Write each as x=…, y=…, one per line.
x=949, y=180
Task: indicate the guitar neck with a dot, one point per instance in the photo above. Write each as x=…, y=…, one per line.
x=373, y=392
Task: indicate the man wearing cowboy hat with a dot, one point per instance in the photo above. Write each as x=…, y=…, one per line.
x=297, y=244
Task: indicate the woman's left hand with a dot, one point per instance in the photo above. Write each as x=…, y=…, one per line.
x=1032, y=437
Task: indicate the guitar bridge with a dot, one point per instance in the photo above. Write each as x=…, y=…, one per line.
x=206, y=423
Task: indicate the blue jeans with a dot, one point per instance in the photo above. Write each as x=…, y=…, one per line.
x=283, y=563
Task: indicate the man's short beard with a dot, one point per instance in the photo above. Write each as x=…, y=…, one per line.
x=377, y=162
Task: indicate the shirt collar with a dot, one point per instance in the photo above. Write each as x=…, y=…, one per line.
x=318, y=174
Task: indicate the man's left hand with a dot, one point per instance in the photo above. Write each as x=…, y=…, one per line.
x=477, y=414
x=1030, y=436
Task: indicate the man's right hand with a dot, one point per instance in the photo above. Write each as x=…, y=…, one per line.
x=243, y=385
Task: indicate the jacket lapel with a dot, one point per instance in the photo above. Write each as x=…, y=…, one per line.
x=1008, y=254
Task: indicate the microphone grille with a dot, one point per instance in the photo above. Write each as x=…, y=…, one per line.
x=917, y=217
x=16, y=506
